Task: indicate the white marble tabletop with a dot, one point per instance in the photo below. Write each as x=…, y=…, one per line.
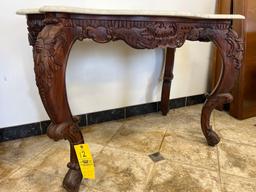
x=79, y=10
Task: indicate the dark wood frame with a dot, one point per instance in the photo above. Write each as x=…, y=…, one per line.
x=53, y=34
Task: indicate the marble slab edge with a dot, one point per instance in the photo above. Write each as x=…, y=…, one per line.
x=78, y=10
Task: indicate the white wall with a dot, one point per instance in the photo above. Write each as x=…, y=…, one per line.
x=124, y=76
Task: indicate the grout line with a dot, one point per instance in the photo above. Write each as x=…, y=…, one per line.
x=116, y=132
x=149, y=175
x=136, y=153
x=241, y=177
x=103, y=147
x=237, y=143
x=218, y=158
x=189, y=164
x=162, y=140
x=218, y=153
x=19, y=166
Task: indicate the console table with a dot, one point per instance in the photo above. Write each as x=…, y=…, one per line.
x=54, y=29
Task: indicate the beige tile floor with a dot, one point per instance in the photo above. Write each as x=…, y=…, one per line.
x=121, y=148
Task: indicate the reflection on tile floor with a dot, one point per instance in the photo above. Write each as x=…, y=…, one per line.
x=121, y=152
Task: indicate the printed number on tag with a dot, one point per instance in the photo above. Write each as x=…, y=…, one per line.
x=85, y=161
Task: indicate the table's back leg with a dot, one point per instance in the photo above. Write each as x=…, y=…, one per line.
x=231, y=50
x=167, y=80
x=51, y=52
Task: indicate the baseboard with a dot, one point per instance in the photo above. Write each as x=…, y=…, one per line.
x=39, y=128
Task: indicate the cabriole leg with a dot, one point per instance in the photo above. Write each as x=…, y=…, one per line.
x=51, y=52
x=231, y=49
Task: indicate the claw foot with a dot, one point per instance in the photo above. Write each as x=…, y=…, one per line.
x=212, y=138
x=72, y=180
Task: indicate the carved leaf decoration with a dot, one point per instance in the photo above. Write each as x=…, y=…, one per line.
x=59, y=50
x=135, y=37
x=50, y=48
x=235, y=48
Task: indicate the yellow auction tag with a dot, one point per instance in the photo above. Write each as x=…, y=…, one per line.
x=85, y=161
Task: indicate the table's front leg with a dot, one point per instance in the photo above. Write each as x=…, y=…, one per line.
x=51, y=52
x=231, y=49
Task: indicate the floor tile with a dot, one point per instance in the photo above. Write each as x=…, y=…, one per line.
x=101, y=133
x=22, y=150
x=7, y=168
x=88, y=190
x=186, y=120
x=237, y=159
x=152, y=120
x=235, y=130
x=237, y=184
x=189, y=149
x=172, y=177
x=29, y=180
x=64, y=144
x=117, y=171
x=141, y=135
x=121, y=148
x=54, y=161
